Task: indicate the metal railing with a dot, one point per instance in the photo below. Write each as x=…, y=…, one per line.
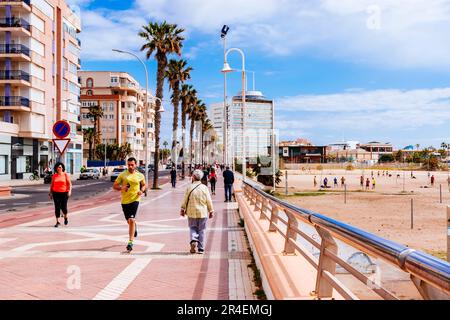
x=14, y=75
x=14, y=23
x=25, y=1
x=14, y=101
x=430, y=275
x=14, y=49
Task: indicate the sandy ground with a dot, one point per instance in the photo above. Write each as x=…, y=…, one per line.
x=386, y=210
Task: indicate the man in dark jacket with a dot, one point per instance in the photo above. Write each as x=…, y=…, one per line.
x=173, y=176
x=228, y=180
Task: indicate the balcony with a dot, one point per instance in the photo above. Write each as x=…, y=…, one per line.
x=15, y=25
x=17, y=77
x=15, y=52
x=14, y=103
x=23, y=3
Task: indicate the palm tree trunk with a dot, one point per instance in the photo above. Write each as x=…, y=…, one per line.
x=176, y=97
x=183, y=137
x=191, y=132
x=159, y=93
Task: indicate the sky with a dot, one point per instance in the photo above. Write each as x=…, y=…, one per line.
x=360, y=70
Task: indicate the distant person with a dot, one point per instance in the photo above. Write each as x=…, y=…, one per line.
x=315, y=181
x=342, y=182
x=412, y=175
x=367, y=184
x=428, y=174
x=204, y=179
x=373, y=183
x=212, y=180
x=325, y=182
x=228, y=180
x=371, y=173
x=361, y=181
x=432, y=180
x=378, y=173
x=173, y=177
x=197, y=205
x=60, y=192
x=335, y=180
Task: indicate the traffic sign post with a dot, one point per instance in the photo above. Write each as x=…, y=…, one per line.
x=61, y=129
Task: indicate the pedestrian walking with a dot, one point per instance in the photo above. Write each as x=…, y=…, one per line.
x=315, y=181
x=212, y=180
x=60, y=192
x=342, y=182
x=325, y=182
x=367, y=184
x=373, y=183
x=204, y=179
x=432, y=180
x=228, y=180
x=197, y=205
x=131, y=184
x=173, y=177
x=361, y=181
x=335, y=182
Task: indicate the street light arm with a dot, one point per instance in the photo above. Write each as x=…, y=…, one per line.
x=242, y=54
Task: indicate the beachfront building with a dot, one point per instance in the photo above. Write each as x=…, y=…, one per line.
x=259, y=121
x=39, y=60
x=121, y=99
x=301, y=151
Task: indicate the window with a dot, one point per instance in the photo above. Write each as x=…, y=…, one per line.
x=89, y=92
x=73, y=68
x=89, y=83
x=3, y=164
x=111, y=106
x=114, y=80
x=111, y=117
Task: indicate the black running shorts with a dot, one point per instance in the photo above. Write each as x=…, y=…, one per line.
x=130, y=210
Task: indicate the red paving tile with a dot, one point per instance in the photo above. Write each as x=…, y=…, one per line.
x=34, y=256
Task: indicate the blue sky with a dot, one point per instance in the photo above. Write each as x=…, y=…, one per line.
x=336, y=69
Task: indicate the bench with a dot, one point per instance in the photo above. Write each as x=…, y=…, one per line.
x=5, y=191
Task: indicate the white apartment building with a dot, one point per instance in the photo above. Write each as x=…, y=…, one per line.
x=39, y=60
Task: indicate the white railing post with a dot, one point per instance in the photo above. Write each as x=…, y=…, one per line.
x=291, y=234
x=323, y=288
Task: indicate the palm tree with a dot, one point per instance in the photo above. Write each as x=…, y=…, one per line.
x=165, y=144
x=201, y=116
x=177, y=73
x=95, y=113
x=187, y=95
x=161, y=39
x=206, y=126
x=89, y=137
x=417, y=146
x=192, y=112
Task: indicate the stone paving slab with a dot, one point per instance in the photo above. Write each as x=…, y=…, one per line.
x=86, y=259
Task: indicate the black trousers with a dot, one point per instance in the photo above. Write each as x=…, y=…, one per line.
x=60, y=199
x=213, y=186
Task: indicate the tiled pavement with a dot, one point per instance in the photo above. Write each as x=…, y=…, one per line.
x=85, y=260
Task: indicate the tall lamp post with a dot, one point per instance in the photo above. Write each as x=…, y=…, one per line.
x=227, y=69
x=223, y=34
x=145, y=108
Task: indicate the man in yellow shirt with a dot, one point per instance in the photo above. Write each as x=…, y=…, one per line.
x=197, y=205
x=132, y=185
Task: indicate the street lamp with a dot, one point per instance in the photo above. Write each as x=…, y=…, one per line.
x=145, y=108
x=227, y=69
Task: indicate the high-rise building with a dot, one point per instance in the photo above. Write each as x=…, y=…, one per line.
x=39, y=60
x=259, y=118
x=121, y=99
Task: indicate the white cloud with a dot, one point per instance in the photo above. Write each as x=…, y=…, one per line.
x=368, y=110
x=412, y=33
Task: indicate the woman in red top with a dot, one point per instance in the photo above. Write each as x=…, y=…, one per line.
x=60, y=191
x=213, y=179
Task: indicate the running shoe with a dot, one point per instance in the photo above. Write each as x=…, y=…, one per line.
x=201, y=251
x=130, y=246
x=57, y=225
x=66, y=221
